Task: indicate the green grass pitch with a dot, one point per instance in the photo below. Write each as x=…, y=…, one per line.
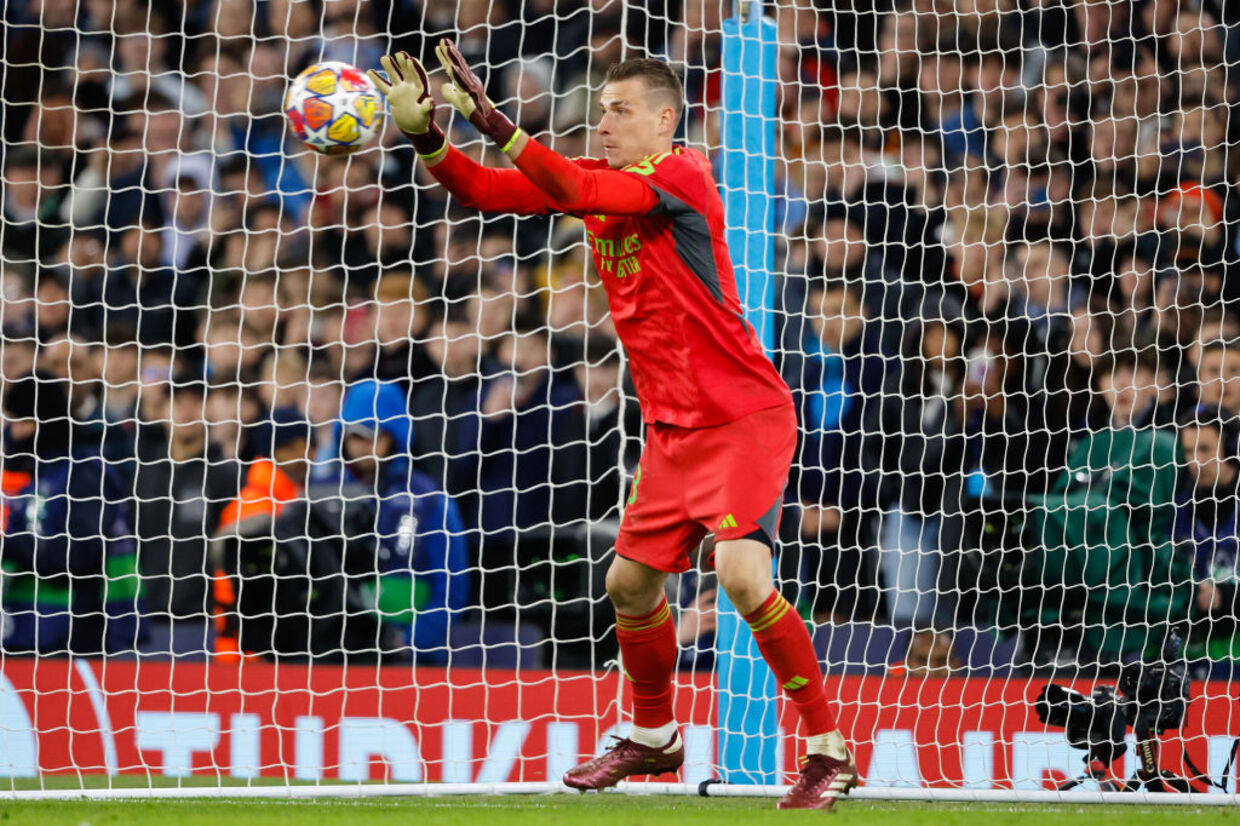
x=587, y=810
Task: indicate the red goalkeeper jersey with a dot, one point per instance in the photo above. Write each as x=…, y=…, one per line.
x=695, y=360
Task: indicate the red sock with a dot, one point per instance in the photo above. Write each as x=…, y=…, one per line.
x=648, y=652
x=785, y=645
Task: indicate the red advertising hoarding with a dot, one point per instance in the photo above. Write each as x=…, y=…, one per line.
x=306, y=723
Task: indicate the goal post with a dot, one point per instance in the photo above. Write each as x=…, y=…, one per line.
x=748, y=737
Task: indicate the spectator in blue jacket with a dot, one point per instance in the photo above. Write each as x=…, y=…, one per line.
x=421, y=561
x=67, y=549
x=1207, y=525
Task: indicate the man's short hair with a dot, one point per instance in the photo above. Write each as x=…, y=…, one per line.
x=595, y=350
x=656, y=74
x=1129, y=359
x=1222, y=420
x=1221, y=346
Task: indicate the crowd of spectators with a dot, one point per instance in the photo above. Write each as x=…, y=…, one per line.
x=1017, y=230
x=262, y=400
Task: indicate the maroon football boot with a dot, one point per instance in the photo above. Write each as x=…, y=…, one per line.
x=823, y=780
x=625, y=759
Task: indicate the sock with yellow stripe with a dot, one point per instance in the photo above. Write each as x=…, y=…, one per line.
x=648, y=653
x=785, y=645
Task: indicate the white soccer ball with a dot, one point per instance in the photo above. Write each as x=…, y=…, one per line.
x=334, y=108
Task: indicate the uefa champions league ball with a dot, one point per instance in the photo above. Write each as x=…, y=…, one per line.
x=334, y=108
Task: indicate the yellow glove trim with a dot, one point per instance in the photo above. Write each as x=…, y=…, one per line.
x=437, y=154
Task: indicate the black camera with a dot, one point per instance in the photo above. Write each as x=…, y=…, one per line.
x=1095, y=722
x=1152, y=697
x=1157, y=691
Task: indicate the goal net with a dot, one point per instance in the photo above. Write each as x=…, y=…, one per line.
x=312, y=475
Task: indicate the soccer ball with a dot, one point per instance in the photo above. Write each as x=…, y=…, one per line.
x=333, y=107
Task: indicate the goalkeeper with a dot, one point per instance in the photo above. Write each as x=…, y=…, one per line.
x=720, y=423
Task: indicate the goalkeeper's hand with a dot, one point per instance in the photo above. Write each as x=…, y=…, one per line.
x=468, y=96
x=408, y=93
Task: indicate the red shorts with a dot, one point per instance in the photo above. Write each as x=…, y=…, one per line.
x=727, y=480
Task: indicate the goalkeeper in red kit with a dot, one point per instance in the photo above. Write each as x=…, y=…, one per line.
x=721, y=429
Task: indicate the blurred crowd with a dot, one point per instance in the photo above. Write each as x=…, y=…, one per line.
x=261, y=400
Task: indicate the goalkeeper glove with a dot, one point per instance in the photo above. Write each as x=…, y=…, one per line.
x=467, y=95
x=408, y=94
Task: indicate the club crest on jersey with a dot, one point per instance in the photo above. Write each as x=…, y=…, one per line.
x=616, y=256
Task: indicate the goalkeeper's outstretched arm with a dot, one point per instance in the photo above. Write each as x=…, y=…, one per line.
x=491, y=190
x=579, y=190
x=571, y=187
x=544, y=181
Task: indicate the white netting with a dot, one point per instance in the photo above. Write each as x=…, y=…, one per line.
x=1002, y=299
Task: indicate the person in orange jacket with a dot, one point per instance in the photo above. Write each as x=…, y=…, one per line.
x=270, y=484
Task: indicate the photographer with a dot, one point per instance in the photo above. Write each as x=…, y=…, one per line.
x=252, y=573
x=1207, y=526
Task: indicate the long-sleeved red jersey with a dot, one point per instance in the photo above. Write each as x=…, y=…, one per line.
x=656, y=231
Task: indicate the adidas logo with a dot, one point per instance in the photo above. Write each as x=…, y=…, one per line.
x=729, y=521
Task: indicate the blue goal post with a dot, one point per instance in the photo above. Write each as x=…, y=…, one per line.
x=748, y=748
